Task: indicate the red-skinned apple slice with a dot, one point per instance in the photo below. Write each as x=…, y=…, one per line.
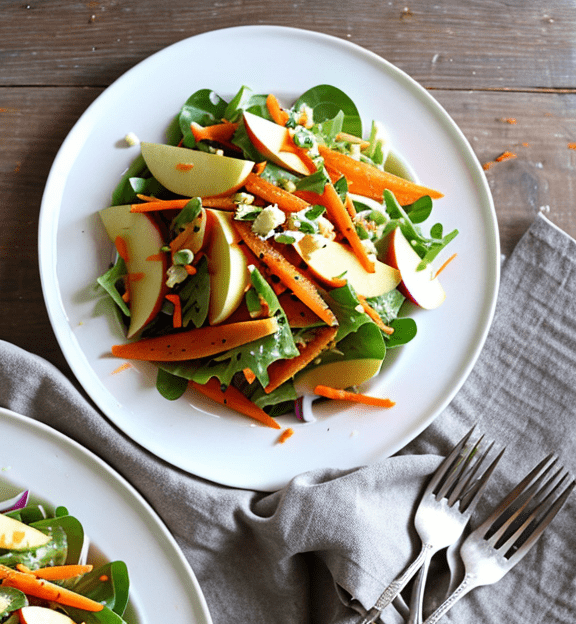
x=15, y=535
x=42, y=615
x=336, y=258
x=271, y=139
x=420, y=287
x=145, y=262
x=227, y=266
x=193, y=173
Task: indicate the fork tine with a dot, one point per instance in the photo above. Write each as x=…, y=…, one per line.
x=473, y=495
x=463, y=484
x=492, y=520
x=538, y=528
x=456, y=475
x=447, y=462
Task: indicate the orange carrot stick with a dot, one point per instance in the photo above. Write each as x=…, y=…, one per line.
x=274, y=194
x=196, y=343
x=166, y=204
x=371, y=312
x=341, y=218
x=300, y=285
x=221, y=132
x=278, y=115
x=283, y=370
x=287, y=433
x=365, y=179
x=121, y=248
x=177, y=315
x=59, y=573
x=234, y=399
x=40, y=588
x=344, y=395
x=444, y=265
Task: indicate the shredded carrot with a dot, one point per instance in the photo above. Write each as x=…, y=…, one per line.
x=177, y=314
x=509, y=120
x=278, y=115
x=233, y=398
x=103, y=578
x=191, y=270
x=122, y=248
x=163, y=204
x=121, y=368
x=40, y=588
x=572, y=146
x=287, y=433
x=274, y=194
x=249, y=375
x=159, y=257
x=222, y=203
x=350, y=206
x=345, y=395
x=126, y=296
x=505, y=156
x=58, y=573
x=259, y=167
x=283, y=370
x=487, y=165
x=135, y=277
x=444, y=265
x=184, y=166
x=146, y=198
x=371, y=312
x=22, y=568
x=220, y=133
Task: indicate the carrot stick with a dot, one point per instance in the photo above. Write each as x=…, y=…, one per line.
x=220, y=133
x=163, y=204
x=444, y=265
x=278, y=115
x=350, y=206
x=40, y=588
x=338, y=214
x=365, y=179
x=300, y=285
x=177, y=315
x=59, y=573
x=298, y=314
x=344, y=395
x=274, y=194
x=283, y=370
x=121, y=248
x=221, y=203
x=287, y=433
x=371, y=312
x=196, y=343
x=234, y=399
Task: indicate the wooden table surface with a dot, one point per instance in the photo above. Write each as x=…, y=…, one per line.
x=505, y=72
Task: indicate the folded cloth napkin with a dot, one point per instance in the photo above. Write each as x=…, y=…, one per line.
x=323, y=548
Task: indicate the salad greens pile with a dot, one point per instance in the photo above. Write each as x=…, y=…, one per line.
x=323, y=115
x=108, y=584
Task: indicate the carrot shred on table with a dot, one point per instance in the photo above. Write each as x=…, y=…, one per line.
x=177, y=314
x=122, y=367
x=507, y=155
x=345, y=395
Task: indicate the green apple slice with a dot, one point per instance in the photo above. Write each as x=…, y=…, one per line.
x=336, y=259
x=193, y=173
x=15, y=535
x=341, y=375
x=143, y=242
x=227, y=267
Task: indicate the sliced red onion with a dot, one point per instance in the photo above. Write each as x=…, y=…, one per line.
x=18, y=502
x=303, y=408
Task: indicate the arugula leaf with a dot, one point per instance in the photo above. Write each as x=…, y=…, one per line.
x=109, y=282
x=326, y=102
x=280, y=399
x=256, y=355
x=420, y=210
x=195, y=296
x=277, y=175
x=205, y=107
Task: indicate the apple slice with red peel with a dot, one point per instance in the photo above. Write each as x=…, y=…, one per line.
x=42, y=615
x=272, y=140
x=227, y=266
x=15, y=535
x=193, y=173
x=420, y=287
x=335, y=258
x=145, y=262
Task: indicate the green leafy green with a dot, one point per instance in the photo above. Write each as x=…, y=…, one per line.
x=195, y=296
x=170, y=386
x=72, y=527
x=110, y=282
x=246, y=100
x=405, y=330
x=112, y=592
x=11, y=599
x=387, y=305
x=187, y=215
x=203, y=107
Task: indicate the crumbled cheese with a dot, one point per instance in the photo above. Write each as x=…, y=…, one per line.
x=131, y=139
x=176, y=274
x=244, y=198
x=311, y=243
x=359, y=308
x=369, y=246
x=268, y=220
x=326, y=228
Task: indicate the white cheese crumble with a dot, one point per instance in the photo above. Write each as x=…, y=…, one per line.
x=131, y=139
x=268, y=220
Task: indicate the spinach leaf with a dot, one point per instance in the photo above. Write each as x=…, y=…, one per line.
x=404, y=330
x=124, y=191
x=73, y=529
x=326, y=102
x=112, y=592
x=110, y=280
x=246, y=100
x=203, y=107
x=170, y=386
x=387, y=305
x=346, y=306
x=11, y=599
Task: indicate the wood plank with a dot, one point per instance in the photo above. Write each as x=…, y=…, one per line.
x=454, y=44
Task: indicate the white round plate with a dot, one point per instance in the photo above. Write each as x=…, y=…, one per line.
x=193, y=433
x=117, y=520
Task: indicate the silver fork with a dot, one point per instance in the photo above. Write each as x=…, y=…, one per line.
x=439, y=521
x=505, y=537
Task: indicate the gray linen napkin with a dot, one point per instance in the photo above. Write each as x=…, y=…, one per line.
x=330, y=541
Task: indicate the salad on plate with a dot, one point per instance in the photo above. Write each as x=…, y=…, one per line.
x=44, y=576
x=264, y=254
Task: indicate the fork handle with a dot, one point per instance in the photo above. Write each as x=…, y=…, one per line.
x=395, y=587
x=417, y=597
x=467, y=584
